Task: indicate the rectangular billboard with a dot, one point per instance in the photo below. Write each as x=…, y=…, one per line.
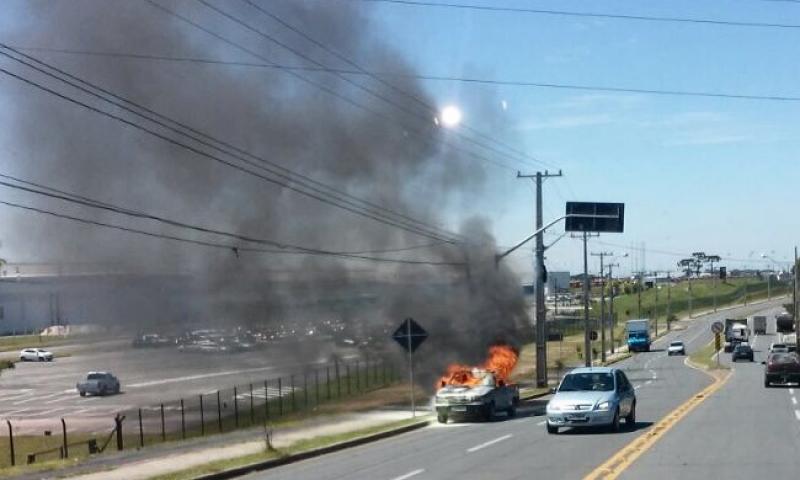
x=595, y=217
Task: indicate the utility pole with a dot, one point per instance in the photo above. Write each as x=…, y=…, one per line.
x=587, y=340
x=587, y=326
x=602, y=255
x=639, y=294
x=538, y=271
x=669, y=298
x=655, y=309
x=794, y=301
x=611, y=303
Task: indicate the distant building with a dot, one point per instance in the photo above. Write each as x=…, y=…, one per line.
x=557, y=282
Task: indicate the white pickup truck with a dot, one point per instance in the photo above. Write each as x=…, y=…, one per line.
x=483, y=400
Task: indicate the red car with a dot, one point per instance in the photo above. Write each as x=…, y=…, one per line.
x=782, y=368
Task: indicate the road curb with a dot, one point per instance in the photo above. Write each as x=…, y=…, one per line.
x=297, y=457
x=533, y=396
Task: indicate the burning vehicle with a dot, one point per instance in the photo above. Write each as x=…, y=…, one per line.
x=479, y=392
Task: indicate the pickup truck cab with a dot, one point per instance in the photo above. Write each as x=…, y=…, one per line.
x=483, y=400
x=98, y=383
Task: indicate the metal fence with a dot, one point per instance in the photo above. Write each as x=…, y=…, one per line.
x=221, y=410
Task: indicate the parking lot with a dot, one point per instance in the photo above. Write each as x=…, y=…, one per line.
x=37, y=393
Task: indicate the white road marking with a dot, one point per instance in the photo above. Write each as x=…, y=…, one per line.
x=791, y=391
x=409, y=474
x=797, y=414
x=542, y=423
x=794, y=401
x=648, y=382
x=637, y=387
x=489, y=443
x=164, y=381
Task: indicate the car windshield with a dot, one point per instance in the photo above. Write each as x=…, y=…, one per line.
x=676, y=344
x=575, y=382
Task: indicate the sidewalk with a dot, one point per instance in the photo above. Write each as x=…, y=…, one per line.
x=168, y=458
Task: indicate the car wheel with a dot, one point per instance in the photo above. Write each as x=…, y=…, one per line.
x=442, y=418
x=630, y=420
x=552, y=429
x=766, y=383
x=615, y=421
x=83, y=394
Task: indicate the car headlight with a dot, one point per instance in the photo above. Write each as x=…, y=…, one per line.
x=553, y=408
x=603, y=406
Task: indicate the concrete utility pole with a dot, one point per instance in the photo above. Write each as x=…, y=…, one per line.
x=794, y=301
x=639, y=291
x=669, y=298
x=611, y=303
x=538, y=271
x=603, y=322
x=587, y=340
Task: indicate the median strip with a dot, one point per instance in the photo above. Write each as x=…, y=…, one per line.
x=624, y=458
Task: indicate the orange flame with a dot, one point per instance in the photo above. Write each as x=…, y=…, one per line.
x=501, y=361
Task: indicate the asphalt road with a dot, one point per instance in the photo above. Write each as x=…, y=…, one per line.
x=35, y=391
x=520, y=447
x=743, y=431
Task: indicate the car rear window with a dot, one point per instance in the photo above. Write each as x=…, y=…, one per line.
x=96, y=376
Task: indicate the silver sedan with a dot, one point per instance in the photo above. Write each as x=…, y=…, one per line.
x=592, y=397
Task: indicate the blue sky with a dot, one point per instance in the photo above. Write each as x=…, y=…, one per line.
x=696, y=173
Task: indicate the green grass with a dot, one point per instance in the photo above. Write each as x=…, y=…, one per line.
x=18, y=342
x=297, y=447
x=703, y=357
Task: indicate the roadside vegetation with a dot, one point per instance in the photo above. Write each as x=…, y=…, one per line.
x=18, y=342
x=568, y=353
x=705, y=358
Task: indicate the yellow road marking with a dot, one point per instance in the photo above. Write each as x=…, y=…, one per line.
x=623, y=459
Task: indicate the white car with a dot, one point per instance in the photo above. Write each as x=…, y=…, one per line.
x=676, y=348
x=35, y=355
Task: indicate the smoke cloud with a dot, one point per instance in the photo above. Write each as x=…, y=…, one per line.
x=269, y=113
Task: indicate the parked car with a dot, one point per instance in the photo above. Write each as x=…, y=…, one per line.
x=98, y=383
x=592, y=397
x=742, y=351
x=782, y=368
x=676, y=348
x=35, y=355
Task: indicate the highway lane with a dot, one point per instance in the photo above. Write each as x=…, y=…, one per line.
x=743, y=431
x=520, y=448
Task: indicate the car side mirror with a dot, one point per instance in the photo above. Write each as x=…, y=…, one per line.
x=552, y=390
x=763, y=362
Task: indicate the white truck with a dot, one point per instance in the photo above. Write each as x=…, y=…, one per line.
x=483, y=400
x=758, y=324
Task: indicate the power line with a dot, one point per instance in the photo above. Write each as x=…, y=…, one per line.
x=357, y=85
x=315, y=193
x=282, y=172
x=672, y=253
x=235, y=248
x=426, y=77
x=431, y=109
x=564, y=13
x=90, y=202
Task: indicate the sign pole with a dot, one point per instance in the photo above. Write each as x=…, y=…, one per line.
x=411, y=369
x=716, y=344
